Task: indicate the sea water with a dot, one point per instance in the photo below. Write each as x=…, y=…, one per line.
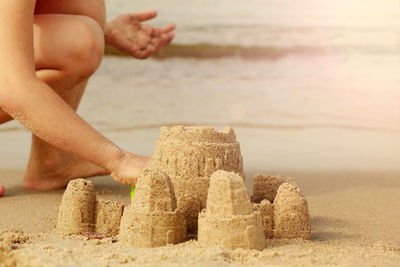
x=316, y=82
x=314, y=64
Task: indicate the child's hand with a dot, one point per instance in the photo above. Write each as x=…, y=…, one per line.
x=129, y=169
x=127, y=34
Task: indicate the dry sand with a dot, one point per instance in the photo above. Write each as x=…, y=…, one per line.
x=354, y=220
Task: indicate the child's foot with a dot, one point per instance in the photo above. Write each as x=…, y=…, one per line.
x=2, y=190
x=55, y=172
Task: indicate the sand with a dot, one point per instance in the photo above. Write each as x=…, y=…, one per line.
x=354, y=218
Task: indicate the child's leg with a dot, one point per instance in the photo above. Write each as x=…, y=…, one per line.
x=4, y=117
x=68, y=49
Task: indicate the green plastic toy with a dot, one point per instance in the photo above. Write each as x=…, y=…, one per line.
x=132, y=192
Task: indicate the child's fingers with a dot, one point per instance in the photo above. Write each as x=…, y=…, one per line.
x=171, y=36
x=146, y=15
x=130, y=181
x=2, y=190
x=156, y=32
x=169, y=28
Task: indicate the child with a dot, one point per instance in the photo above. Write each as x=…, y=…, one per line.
x=48, y=51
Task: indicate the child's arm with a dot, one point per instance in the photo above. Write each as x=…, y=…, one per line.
x=39, y=108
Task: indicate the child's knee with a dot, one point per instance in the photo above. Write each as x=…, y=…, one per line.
x=88, y=48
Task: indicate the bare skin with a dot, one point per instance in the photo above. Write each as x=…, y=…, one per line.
x=136, y=39
x=50, y=71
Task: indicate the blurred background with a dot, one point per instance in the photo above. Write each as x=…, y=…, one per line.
x=307, y=85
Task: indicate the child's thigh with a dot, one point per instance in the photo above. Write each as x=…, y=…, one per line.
x=94, y=9
x=70, y=43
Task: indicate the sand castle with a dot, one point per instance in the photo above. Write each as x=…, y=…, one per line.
x=153, y=219
x=80, y=212
x=195, y=184
x=228, y=219
x=189, y=155
x=287, y=216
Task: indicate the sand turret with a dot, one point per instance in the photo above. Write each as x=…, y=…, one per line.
x=189, y=155
x=266, y=186
x=76, y=214
x=228, y=219
x=291, y=216
x=153, y=219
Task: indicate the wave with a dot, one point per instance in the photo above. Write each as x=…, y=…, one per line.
x=265, y=126
x=212, y=51
x=306, y=126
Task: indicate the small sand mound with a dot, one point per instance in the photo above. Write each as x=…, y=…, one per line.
x=8, y=258
x=291, y=216
x=152, y=219
x=189, y=155
x=13, y=236
x=228, y=219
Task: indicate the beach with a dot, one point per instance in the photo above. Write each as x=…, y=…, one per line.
x=354, y=222
x=312, y=92
x=354, y=212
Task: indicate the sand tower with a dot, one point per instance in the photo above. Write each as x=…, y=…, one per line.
x=189, y=155
x=228, y=219
x=291, y=216
x=76, y=214
x=153, y=219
